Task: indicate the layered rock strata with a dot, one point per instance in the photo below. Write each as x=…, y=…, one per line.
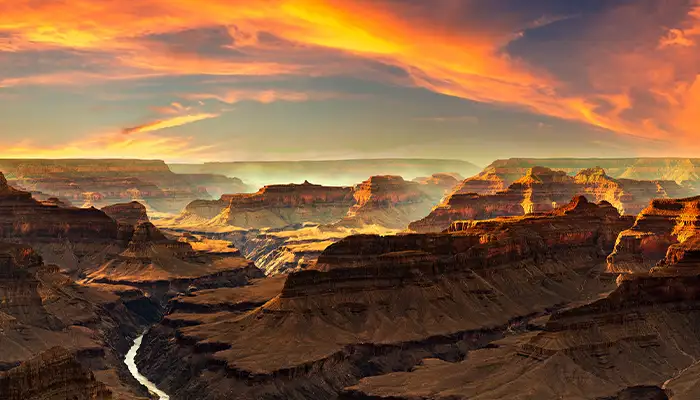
x=54, y=374
x=102, y=182
x=377, y=304
x=659, y=231
x=542, y=189
x=276, y=206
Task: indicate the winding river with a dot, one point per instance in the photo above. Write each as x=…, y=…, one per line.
x=130, y=361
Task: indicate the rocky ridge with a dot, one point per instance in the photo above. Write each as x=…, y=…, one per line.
x=449, y=292
x=542, y=189
x=102, y=182
x=660, y=229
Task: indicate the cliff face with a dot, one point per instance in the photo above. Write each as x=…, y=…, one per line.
x=392, y=202
x=102, y=182
x=22, y=216
x=152, y=260
x=447, y=292
x=128, y=217
x=663, y=227
x=276, y=206
x=542, y=189
x=54, y=374
x=674, y=169
x=41, y=308
x=639, y=342
x=64, y=235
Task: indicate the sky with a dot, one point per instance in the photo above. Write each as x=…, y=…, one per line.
x=226, y=80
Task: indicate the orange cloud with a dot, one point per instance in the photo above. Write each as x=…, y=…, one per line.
x=264, y=96
x=115, y=145
x=168, y=123
x=468, y=63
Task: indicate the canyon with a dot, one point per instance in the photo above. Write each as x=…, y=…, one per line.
x=541, y=189
x=550, y=284
x=326, y=172
x=77, y=285
x=334, y=323
x=99, y=183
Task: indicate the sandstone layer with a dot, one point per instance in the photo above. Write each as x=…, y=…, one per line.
x=639, y=342
x=102, y=182
x=377, y=304
x=275, y=206
x=675, y=169
x=665, y=227
x=542, y=189
x=391, y=202
x=54, y=374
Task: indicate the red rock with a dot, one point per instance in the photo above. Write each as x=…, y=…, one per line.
x=276, y=206
x=377, y=304
x=543, y=189
x=662, y=224
x=391, y=202
x=128, y=217
x=54, y=374
x=103, y=182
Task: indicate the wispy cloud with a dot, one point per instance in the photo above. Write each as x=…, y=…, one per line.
x=167, y=123
x=115, y=145
x=465, y=60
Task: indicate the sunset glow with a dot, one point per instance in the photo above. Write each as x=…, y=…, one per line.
x=630, y=69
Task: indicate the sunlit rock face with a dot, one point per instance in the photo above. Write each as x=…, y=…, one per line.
x=449, y=292
x=392, y=202
x=542, y=189
x=679, y=170
x=662, y=232
x=275, y=206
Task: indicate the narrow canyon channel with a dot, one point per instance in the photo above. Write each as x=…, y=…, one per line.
x=130, y=361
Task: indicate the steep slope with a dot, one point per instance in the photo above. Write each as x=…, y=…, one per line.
x=42, y=308
x=153, y=261
x=54, y=374
x=630, y=344
x=391, y=202
x=675, y=169
x=542, y=189
x=376, y=304
x=67, y=236
x=662, y=224
x=275, y=206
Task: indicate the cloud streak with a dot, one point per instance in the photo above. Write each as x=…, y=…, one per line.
x=650, y=89
x=168, y=123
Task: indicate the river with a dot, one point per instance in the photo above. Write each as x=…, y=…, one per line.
x=130, y=361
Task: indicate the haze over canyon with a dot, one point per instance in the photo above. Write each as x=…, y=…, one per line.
x=350, y=200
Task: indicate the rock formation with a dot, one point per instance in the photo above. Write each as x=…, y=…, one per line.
x=674, y=169
x=22, y=216
x=102, y=182
x=54, y=374
x=392, y=202
x=542, y=189
x=152, y=260
x=376, y=304
x=663, y=227
x=276, y=206
x=41, y=308
x=128, y=216
x=639, y=340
